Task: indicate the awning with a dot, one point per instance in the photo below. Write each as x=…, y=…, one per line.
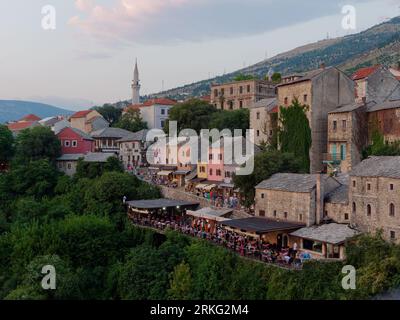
x=181, y=172
x=209, y=187
x=164, y=173
x=201, y=186
x=207, y=215
x=227, y=185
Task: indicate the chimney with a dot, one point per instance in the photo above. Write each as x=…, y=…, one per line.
x=364, y=100
x=319, y=199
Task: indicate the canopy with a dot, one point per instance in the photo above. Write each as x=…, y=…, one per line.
x=209, y=187
x=209, y=214
x=201, y=186
x=164, y=173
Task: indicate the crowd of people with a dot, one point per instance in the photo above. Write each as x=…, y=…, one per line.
x=240, y=244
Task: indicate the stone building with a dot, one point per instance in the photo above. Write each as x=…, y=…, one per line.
x=132, y=150
x=385, y=117
x=322, y=90
x=347, y=137
x=264, y=120
x=106, y=140
x=240, y=94
x=87, y=121
x=294, y=197
x=374, y=196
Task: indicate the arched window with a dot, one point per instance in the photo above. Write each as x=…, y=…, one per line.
x=354, y=207
x=369, y=210
x=392, y=210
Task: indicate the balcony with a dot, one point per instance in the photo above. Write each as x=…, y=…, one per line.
x=333, y=158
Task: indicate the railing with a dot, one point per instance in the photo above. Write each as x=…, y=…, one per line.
x=332, y=158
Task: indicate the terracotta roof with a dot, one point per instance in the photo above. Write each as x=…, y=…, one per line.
x=161, y=101
x=364, y=72
x=30, y=117
x=18, y=126
x=81, y=114
x=134, y=107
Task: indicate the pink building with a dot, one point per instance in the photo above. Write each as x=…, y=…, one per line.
x=216, y=162
x=75, y=141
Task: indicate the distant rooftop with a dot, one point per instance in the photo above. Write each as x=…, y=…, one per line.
x=159, y=203
x=388, y=167
x=260, y=225
x=30, y=117
x=110, y=133
x=364, y=72
x=291, y=182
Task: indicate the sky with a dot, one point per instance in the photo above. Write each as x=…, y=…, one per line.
x=88, y=58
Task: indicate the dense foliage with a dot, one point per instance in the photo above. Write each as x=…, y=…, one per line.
x=6, y=144
x=380, y=147
x=131, y=121
x=110, y=113
x=295, y=133
x=266, y=164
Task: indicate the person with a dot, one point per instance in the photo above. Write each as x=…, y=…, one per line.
x=295, y=248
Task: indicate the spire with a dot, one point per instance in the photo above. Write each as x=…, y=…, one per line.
x=136, y=85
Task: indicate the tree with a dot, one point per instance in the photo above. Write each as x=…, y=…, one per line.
x=235, y=119
x=180, y=283
x=37, y=143
x=193, y=114
x=131, y=121
x=380, y=147
x=276, y=77
x=295, y=133
x=266, y=164
x=93, y=170
x=6, y=145
x=244, y=77
x=110, y=113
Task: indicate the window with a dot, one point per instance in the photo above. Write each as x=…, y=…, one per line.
x=67, y=143
x=261, y=213
x=392, y=210
x=305, y=98
x=258, y=133
x=262, y=196
x=220, y=156
x=69, y=166
x=215, y=92
x=391, y=187
x=211, y=172
x=334, y=125
x=231, y=90
x=248, y=89
x=222, y=91
x=241, y=104
x=392, y=235
x=162, y=123
x=346, y=216
x=74, y=143
x=354, y=207
x=369, y=210
x=231, y=105
x=312, y=245
x=210, y=156
x=274, y=213
x=285, y=215
x=368, y=186
x=258, y=116
x=162, y=111
x=218, y=172
x=344, y=124
x=227, y=174
x=240, y=89
x=354, y=183
x=300, y=217
x=286, y=101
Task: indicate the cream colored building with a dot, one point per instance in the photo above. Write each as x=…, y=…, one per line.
x=240, y=94
x=264, y=120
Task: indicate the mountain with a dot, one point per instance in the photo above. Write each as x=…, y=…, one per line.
x=379, y=44
x=11, y=110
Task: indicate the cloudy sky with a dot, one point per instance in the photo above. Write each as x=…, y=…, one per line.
x=88, y=59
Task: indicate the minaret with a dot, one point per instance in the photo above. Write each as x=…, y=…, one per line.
x=135, y=86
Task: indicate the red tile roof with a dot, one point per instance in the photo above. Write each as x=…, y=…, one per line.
x=81, y=114
x=17, y=126
x=30, y=117
x=364, y=72
x=161, y=101
x=133, y=107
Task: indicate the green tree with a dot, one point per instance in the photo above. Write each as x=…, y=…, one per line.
x=235, y=119
x=93, y=170
x=380, y=147
x=266, y=164
x=180, y=283
x=295, y=133
x=37, y=143
x=6, y=145
x=131, y=121
x=276, y=77
x=244, y=77
x=110, y=113
x=193, y=114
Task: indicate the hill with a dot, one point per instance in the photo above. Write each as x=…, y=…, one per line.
x=11, y=110
x=379, y=44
